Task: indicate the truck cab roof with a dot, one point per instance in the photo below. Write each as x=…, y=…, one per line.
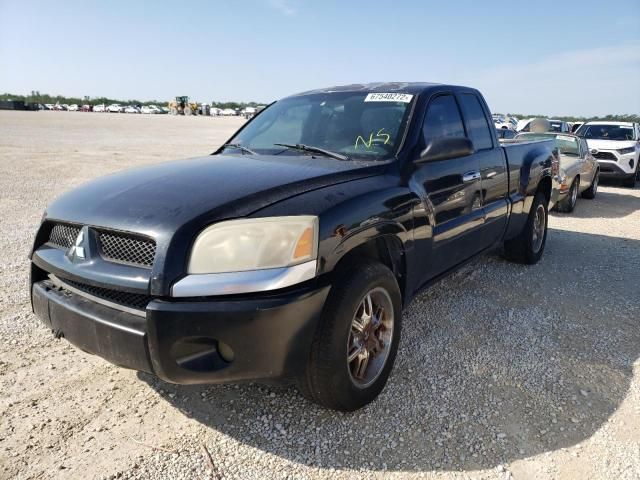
x=412, y=88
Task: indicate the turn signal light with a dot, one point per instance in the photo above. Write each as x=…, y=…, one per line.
x=304, y=247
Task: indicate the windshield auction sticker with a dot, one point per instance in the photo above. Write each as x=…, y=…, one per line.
x=388, y=97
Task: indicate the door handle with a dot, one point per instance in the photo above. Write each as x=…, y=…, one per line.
x=470, y=176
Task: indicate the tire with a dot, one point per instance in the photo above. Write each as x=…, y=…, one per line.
x=187, y=111
x=568, y=204
x=330, y=379
x=525, y=248
x=590, y=193
x=630, y=181
x=173, y=111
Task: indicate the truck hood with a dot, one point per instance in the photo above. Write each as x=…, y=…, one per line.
x=610, y=144
x=160, y=199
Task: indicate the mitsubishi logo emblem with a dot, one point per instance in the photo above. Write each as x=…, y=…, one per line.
x=77, y=250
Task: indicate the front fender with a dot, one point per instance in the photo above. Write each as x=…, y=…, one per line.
x=360, y=219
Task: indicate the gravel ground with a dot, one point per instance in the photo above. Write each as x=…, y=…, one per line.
x=504, y=371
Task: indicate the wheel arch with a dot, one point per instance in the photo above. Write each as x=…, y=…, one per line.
x=383, y=244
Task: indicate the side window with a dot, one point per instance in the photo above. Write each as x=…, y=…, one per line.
x=476, y=122
x=442, y=119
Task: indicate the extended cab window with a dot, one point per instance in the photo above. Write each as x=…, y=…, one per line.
x=476, y=122
x=442, y=119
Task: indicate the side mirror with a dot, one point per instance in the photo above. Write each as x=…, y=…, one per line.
x=444, y=148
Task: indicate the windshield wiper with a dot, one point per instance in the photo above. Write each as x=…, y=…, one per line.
x=239, y=147
x=308, y=148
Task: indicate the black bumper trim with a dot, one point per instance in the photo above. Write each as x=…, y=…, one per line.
x=270, y=335
x=115, y=335
x=613, y=170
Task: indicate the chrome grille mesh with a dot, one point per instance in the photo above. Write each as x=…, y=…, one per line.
x=124, y=248
x=113, y=246
x=63, y=235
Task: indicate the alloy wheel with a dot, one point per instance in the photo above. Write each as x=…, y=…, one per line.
x=370, y=337
x=539, y=224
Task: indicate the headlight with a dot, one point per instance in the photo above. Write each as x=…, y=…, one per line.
x=255, y=244
x=627, y=150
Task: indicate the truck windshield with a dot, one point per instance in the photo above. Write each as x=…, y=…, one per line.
x=358, y=125
x=599, y=131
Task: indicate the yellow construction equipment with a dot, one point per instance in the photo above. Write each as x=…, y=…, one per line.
x=182, y=106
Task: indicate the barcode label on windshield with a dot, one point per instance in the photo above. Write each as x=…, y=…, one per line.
x=388, y=97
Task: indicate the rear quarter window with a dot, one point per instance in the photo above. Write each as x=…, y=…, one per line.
x=476, y=122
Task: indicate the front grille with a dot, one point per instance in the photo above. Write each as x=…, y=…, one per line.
x=128, y=249
x=63, y=235
x=116, y=247
x=605, y=156
x=137, y=301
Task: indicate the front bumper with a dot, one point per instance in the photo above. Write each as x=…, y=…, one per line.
x=269, y=335
x=619, y=166
x=613, y=170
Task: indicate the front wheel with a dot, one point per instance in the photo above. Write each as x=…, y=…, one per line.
x=590, y=193
x=356, y=342
x=630, y=181
x=528, y=246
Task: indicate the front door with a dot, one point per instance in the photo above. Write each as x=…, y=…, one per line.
x=451, y=193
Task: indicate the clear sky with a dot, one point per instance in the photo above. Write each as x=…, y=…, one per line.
x=551, y=57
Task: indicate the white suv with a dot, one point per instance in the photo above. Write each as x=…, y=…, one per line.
x=115, y=108
x=616, y=146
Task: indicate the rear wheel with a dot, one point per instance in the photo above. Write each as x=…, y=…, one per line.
x=568, y=204
x=528, y=246
x=187, y=111
x=590, y=193
x=356, y=342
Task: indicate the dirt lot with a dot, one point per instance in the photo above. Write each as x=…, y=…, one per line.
x=503, y=371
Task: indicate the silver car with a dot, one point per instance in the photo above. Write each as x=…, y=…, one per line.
x=578, y=170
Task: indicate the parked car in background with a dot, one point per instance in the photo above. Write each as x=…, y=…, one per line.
x=99, y=108
x=248, y=112
x=150, y=109
x=228, y=112
x=131, y=109
x=559, y=126
x=616, y=146
x=115, y=108
x=505, y=133
x=73, y=108
x=578, y=170
x=331, y=211
x=533, y=125
x=49, y=106
x=576, y=126
x=501, y=122
x=86, y=108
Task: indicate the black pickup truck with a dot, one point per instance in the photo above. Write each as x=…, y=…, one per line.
x=289, y=253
